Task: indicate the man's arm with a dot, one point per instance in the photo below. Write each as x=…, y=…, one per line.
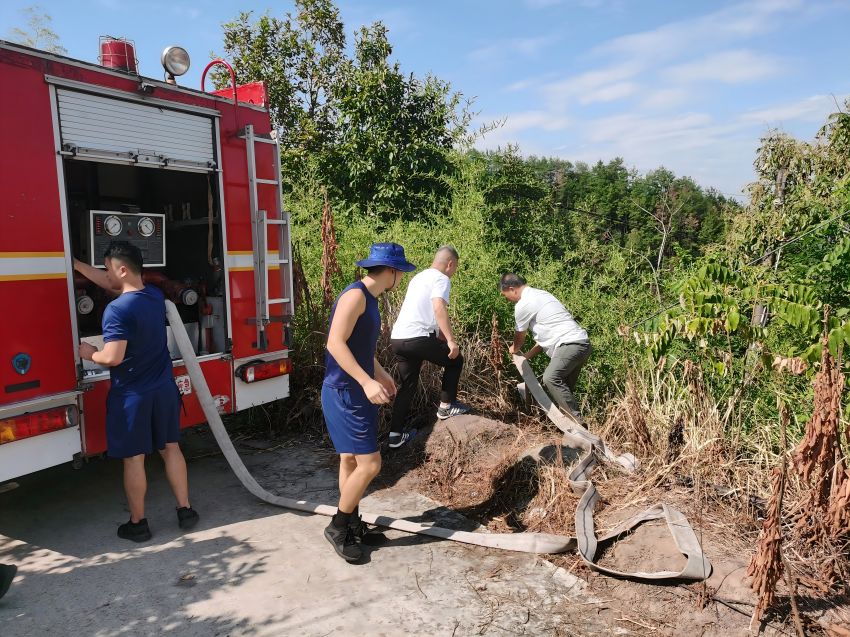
x=519, y=341
x=111, y=355
x=349, y=308
x=441, y=313
x=534, y=351
x=96, y=276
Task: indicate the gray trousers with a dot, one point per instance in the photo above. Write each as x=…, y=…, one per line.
x=561, y=375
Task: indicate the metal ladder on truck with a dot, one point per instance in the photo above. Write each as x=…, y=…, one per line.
x=264, y=265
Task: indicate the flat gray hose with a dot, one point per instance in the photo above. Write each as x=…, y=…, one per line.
x=697, y=567
x=523, y=542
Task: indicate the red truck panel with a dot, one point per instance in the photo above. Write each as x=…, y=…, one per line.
x=29, y=190
x=219, y=375
x=45, y=336
x=34, y=299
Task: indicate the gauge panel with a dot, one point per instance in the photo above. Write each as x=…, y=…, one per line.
x=146, y=231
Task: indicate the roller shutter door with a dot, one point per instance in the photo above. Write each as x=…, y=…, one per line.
x=97, y=127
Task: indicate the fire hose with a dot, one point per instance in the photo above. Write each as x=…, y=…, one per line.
x=697, y=568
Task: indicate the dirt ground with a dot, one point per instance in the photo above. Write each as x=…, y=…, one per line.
x=252, y=569
x=478, y=466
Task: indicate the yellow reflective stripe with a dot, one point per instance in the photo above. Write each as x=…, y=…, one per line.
x=30, y=255
x=15, y=268
x=31, y=277
x=239, y=261
x=250, y=268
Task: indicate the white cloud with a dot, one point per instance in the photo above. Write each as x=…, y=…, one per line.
x=559, y=94
x=609, y=93
x=729, y=67
x=810, y=109
x=521, y=85
x=526, y=47
x=640, y=128
x=708, y=31
x=517, y=123
x=665, y=98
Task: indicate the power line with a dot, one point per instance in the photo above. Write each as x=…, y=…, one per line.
x=756, y=260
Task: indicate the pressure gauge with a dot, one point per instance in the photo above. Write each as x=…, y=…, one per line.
x=146, y=226
x=112, y=225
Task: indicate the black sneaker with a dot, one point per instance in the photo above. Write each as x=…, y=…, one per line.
x=135, y=531
x=365, y=534
x=455, y=409
x=343, y=542
x=187, y=517
x=7, y=574
x=400, y=439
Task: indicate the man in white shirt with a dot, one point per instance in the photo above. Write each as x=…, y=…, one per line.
x=422, y=332
x=555, y=331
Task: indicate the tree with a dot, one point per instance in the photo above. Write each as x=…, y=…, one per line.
x=517, y=201
x=38, y=33
x=799, y=209
x=395, y=132
x=377, y=138
x=299, y=58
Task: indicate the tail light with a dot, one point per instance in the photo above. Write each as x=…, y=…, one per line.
x=37, y=423
x=260, y=370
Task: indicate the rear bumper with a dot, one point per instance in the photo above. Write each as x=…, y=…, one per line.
x=25, y=456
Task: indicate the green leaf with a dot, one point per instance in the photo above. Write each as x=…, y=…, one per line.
x=733, y=318
x=836, y=337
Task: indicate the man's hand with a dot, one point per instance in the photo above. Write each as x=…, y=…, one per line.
x=512, y=350
x=454, y=349
x=375, y=392
x=386, y=380
x=389, y=385
x=87, y=350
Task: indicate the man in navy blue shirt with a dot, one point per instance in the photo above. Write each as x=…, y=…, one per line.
x=143, y=405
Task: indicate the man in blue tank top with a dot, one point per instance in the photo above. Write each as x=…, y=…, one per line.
x=143, y=404
x=355, y=384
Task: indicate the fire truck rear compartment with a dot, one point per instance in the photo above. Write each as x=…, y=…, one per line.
x=182, y=207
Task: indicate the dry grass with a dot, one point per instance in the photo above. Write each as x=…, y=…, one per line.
x=693, y=445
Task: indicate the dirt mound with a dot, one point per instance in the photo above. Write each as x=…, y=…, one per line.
x=515, y=479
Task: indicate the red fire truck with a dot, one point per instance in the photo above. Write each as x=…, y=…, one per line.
x=93, y=153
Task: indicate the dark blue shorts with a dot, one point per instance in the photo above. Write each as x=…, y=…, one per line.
x=351, y=419
x=139, y=423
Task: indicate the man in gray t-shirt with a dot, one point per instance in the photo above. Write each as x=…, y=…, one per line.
x=555, y=331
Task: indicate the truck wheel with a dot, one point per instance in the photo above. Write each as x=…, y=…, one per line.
x=78, y=462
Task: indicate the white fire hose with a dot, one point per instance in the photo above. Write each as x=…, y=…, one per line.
x=697, y=568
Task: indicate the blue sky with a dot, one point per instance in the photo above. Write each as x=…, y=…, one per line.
x=689, y=85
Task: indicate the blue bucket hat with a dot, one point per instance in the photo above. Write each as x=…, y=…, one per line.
x=388, y=254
